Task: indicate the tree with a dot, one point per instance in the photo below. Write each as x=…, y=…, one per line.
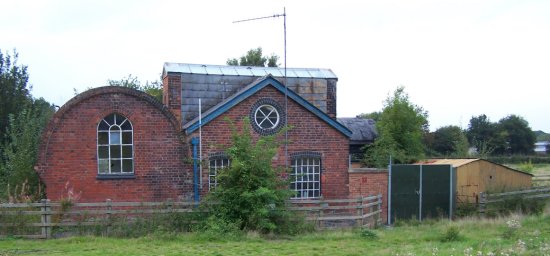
x=14, y=90
x=518, y=136
x=255, y=58
x=450, y=141
x=373, y=115
x=19, y=152
x=401, y=128
x=484, y=136
x=152, y=88
x=251, y=194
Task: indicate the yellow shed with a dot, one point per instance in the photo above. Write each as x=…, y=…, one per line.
x=478, y=175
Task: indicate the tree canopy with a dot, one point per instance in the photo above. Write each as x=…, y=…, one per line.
x=401, y=128
x=255, y=58
x=152, y=88
x=22, y=119
x=511, y=135
x=14, y=90
x=450, y=141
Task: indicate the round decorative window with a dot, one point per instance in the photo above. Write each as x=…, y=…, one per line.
x=267, y=117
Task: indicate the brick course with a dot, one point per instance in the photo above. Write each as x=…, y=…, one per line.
x=69, y=149
x=367, y=182
x=308, y=133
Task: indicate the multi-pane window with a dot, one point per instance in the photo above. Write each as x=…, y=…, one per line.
x=305, y=178
x=115, y=148
x=215, y=164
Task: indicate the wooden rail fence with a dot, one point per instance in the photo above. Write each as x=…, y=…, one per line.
x=488, y=199
x=38, y=220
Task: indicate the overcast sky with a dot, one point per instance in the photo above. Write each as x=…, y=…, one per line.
x=456, y=59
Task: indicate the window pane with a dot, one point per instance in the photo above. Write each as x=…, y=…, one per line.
x=126, y=151
x=103, y=126
x=127, y=165
x=110, y=119
x=127, y=137
x=115, y=166
x=104, y=166
x=103, y=152
x=115, y=137
x=115, y=151
x=102, y=138
x=126, y=126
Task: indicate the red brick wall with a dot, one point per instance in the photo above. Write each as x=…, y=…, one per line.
x=69, y=149
x=367, y=182
x=171, y=94
x=308, y=133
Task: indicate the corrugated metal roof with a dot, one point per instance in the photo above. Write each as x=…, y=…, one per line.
x=247, y=71
x=453, y=162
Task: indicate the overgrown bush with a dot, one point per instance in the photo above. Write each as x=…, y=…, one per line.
x=251, y=193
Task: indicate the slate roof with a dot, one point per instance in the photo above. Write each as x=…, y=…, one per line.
x=249, y=90
x=363, y=130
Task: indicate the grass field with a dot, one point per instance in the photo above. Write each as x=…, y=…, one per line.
x=502, y=236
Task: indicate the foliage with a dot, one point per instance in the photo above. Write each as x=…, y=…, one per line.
x=401, y=127
x=254, y=57
x=19, y=152
x=516, y=205
x=14, y=90
x=511, y=135
x=518, y=159
x=251, y=193
x=483, y=235
x=518, y=136
x=368, y=234
x=527, y=167
x=450, y=141
x=373, y=115
x=511, y=229
x=542, y=136
x=152, y=88
x=451, y=234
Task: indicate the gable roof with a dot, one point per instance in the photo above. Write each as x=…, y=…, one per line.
x=458, y=162
x=248, y=91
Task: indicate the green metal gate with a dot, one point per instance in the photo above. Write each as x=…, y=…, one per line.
x=421, y=191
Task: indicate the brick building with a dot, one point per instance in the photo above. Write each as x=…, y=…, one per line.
x=121, y=144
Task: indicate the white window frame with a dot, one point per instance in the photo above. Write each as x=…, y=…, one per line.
x=119, y=140
x=215, y=164
x=267, y=116
x=305, y=178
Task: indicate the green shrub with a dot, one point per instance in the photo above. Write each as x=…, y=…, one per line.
x=526, y=167
x=368, y=234
x=451, y=234
x=251, y=193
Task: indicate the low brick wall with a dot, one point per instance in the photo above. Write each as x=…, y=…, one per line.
x=368, y=181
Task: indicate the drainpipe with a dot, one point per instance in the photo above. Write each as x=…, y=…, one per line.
x=196, y=195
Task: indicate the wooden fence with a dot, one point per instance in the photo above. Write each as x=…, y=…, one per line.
x=542, y=179
x=488, y=199
x=38, y=220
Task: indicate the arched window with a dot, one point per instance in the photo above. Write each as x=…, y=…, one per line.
x=115, y=148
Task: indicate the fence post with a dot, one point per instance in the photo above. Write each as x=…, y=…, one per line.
x=169, y=204
x=379, y=209
x=482, y=203
x=321, y=213
x=108, y=213
x=360, y=211
x=46, y=219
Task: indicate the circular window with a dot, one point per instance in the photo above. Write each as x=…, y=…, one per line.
x=267, y=116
